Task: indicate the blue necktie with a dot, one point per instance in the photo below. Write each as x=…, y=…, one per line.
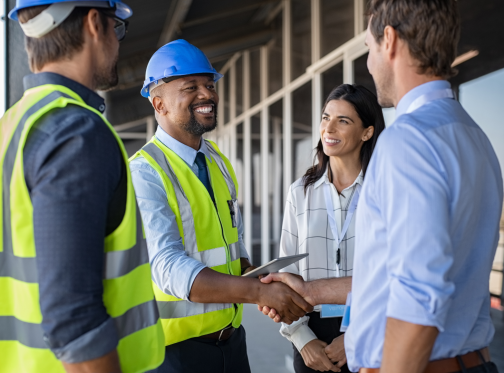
x=203, y=173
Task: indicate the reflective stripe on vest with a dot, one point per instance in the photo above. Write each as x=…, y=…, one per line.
x=127, y=287
x=180, y=316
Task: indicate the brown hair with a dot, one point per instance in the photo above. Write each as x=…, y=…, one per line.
x=371, y=114
x=431, y=28
x=60, y=43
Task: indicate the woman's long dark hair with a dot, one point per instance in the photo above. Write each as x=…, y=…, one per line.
x=369, y=111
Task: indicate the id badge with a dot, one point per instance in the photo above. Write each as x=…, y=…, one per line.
x=332, y=310
x=233, y=210
x=346, y=317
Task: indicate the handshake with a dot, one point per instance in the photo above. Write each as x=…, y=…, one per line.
x=286, y=298
x=292, y=298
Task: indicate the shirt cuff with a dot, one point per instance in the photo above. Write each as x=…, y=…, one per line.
x=419, y=305
x=299, y=333
x=92, y=345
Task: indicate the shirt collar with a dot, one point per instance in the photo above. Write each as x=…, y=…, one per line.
x=90, y=97
x=325, y=180
x=408, y=98
x=185, y=152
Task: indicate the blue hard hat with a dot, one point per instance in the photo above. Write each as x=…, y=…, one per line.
x=177, y=58
x=121, y=10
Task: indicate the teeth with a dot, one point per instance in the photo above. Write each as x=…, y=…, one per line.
x=203, y=109
x=331, y=141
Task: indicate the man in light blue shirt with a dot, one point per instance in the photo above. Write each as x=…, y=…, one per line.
x=429, y=211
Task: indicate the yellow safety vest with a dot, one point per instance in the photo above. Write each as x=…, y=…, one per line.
x=208, y=232
x=128, y=295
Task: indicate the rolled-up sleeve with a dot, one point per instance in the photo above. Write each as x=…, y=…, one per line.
x=172, y=270
x=416, y=210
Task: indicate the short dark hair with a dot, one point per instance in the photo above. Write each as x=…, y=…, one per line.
x=370, y=112
x=62, y=42
x=431, y=28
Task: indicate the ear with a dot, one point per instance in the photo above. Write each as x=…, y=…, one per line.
x=92, y=24
x=158, y=105
x=368, y=133
x=389, y=42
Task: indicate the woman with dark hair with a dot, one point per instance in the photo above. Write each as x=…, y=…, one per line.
x=319, y=218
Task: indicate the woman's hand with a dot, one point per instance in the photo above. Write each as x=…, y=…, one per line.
x=314, y=357
x=336, y=351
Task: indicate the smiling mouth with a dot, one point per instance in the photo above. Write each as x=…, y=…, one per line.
x=204, y=109
x=331, y=141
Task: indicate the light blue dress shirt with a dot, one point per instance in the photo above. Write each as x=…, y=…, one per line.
x=427, y=231
x=172, y=270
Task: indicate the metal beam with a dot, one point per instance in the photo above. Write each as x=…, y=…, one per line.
x=315, y=30
x=224, y=14
x=247, y=158
x=176, y=15
x=265, y=217
x=287, y=100
x=316, y=107
x=232, y=114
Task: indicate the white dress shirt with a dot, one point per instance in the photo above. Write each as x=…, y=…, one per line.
x=306, y=230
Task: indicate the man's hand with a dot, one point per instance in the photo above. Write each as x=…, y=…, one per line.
x=295, y=282
x=336, y=351
x=314, y=357
x=288, y=305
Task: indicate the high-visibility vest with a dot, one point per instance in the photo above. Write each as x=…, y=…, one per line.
x=208, y=233
x=127, y=290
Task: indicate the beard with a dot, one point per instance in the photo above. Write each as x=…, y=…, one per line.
x=107, y=78
x=384, y=82
x=198, y=129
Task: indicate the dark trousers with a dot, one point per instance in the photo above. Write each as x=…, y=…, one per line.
x=325, y=330
x=199, y=355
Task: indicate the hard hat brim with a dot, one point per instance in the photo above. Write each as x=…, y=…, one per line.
x=122, y=11
x=145, y=89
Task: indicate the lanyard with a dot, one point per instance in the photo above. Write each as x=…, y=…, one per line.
x=330, y=214
x=428, y=97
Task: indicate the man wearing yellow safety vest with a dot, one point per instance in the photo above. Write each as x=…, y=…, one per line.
x=75, y=287
x=187, y=193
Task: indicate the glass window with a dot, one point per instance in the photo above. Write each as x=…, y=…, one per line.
x=362, y=75
x=302, y=130
x=331, y=79
x=239, y=86
x=238, y=167
x=255, y=77
x=301, y=37
x=275, y=54
x=275, y=175
x=256, y=189
x=337, y=26
x=226, y=81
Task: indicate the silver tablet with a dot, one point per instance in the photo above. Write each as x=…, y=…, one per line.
x=275, y=265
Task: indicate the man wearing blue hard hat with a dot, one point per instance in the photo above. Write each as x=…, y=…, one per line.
x=75, y=287
x=187, y=193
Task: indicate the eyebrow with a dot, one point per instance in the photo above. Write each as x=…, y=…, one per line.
x=340, y=116
x=192, y=81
